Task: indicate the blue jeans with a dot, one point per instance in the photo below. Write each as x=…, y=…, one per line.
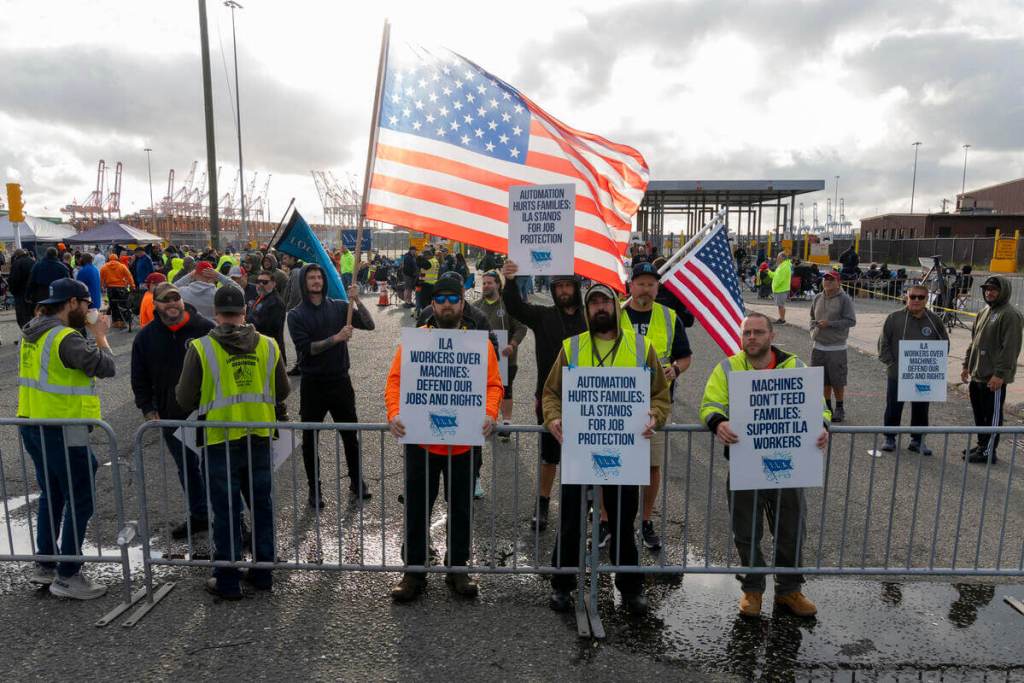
x=66, y=502
x=228, y=467
x=189, y=474
x=525, y=284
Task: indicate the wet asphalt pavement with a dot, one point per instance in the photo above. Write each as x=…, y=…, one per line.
x=326, y=625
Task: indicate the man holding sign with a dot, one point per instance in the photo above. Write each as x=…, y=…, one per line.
x=913, y=323
x=510, y=333
x=616, y=428
x=435, y=393
x=785, y=508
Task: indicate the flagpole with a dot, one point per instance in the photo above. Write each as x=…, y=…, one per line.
x=270, y=242
x=717, y=218
x=371, y=153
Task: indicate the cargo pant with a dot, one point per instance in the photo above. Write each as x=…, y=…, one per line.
x=784, y=510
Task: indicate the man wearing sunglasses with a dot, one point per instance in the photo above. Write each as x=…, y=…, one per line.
x=425, y=464
x=913, y=323
x=158, y=354
x=267, y=312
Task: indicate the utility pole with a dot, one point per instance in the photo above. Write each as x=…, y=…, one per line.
x=152, y=206
x=963, y=181
x=243, y=228
x=913, y=183
x=211, y=148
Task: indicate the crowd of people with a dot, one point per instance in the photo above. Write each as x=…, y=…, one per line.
x=213, y=347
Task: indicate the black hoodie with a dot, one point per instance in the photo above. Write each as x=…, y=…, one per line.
x=550, y=325
x=309, y=322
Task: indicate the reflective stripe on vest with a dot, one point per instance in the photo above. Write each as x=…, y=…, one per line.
x=222, y=401
x=654, y=333
x=574, y=351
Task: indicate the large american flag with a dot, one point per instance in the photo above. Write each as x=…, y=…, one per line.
x=452, y=139
x=705, y=280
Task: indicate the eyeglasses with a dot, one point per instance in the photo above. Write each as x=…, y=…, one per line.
x=917, y=297
x=449, y=298
x=169, y=298
x=264, y=282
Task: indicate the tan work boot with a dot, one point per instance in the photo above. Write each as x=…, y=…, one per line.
x=463, y=585
x=750, y=604
x=797, y=603
x=408, y=588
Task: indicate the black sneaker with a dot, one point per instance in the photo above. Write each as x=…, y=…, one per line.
x=604, y=536
x=889, y=446
x=200, y=525
x=839, y=414
x=651, y=540
x=918, y=447
x=980, y=457
x=560, y=601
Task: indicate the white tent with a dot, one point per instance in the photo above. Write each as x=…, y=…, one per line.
x=35, y=230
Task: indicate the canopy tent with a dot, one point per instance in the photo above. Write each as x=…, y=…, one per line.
x=34, y=229
x=113, y=232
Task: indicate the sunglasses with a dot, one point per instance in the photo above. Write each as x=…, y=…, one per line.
x=917, y=297
x=169, y=298
x=449, y=298
x=264, y=282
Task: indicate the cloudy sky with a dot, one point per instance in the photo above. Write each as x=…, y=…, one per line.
x=729, y=89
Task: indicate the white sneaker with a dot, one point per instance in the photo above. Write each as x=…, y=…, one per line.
x=43, y=576
x=77, y=587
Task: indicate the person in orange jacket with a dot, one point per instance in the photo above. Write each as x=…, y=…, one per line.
x=425, y=464
x=146, y=306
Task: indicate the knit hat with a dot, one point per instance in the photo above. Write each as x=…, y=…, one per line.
x=447, y=284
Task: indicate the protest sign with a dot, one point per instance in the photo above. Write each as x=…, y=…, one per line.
x=502, y=337
x=444, y=386
x=777, y=415
x=541, y=228
x=922, y=371
x=604, y=412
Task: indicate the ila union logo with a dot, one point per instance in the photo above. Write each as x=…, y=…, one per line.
x=541, y=259
x=444, y=423
x=607, y=465
x=778, y=466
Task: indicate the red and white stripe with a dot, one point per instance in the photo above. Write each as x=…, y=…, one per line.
x=707, y=298
x=444, y=189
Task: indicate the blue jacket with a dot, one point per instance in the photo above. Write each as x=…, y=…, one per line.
x=43, y=273
x=141, y=269
x=90, y=275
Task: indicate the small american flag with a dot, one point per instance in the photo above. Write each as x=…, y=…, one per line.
x=452, y=139
x=705, y=280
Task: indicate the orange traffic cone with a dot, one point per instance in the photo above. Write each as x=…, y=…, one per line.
x=383, y=300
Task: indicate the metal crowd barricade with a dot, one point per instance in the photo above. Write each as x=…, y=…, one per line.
x=21, y=495
x=349, y=533
x=878, y=513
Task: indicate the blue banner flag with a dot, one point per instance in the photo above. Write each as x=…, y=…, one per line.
x=348, y=239
x=299, y=240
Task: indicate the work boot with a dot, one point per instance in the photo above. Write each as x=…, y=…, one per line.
x=839, y=414
x=462, y=584
x=797, y=603
x=981, y=457
x=560, y=601
x=750, y=604
x=76, y=587
x=409, y=588
x=917, y=446
x=635, y=604
x=890, y=444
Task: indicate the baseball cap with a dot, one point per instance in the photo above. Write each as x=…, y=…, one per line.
x=203, y=265
x=599, y=289
x=161, y=291
x=992, y=282
x=831, y=275
x=65, y=288
x=229, y=299
x=645, y=268
x=449, y=283
x=155, y=278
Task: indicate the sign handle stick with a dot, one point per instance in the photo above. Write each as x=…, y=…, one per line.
x=270, y=242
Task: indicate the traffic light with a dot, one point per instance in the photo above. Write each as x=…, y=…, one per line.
x=16, y=205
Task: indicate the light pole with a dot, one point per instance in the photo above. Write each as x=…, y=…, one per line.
x=211, y=147
x=835, y=204
x=963, y=182
x=913, y=183
x=244, y=236
x=152, y=206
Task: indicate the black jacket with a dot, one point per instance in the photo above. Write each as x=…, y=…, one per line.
x=43, y=273
x=21, y=269
x=158, y=354
x=308, y=323
x=267, y=315
x=550, y=327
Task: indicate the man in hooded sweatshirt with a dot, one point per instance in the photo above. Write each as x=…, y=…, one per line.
x=551, y=325
x=199, y=287
x=235, y=374
x=269, y=265
x=606, y=344
x=318, y=328
x=991, y=363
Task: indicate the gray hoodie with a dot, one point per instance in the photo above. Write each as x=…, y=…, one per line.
x=838, y=311
x=236, y=339
x=199, y=293
x=75, y=350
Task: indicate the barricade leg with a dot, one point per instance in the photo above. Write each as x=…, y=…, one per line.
x=596, y=627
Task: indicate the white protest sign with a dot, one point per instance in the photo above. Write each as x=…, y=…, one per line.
x=604, y=412
x=444, y=386
x=541, y=228
x=777, y=415
x=502, y=337
x=922, y=371
x=280, y=448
